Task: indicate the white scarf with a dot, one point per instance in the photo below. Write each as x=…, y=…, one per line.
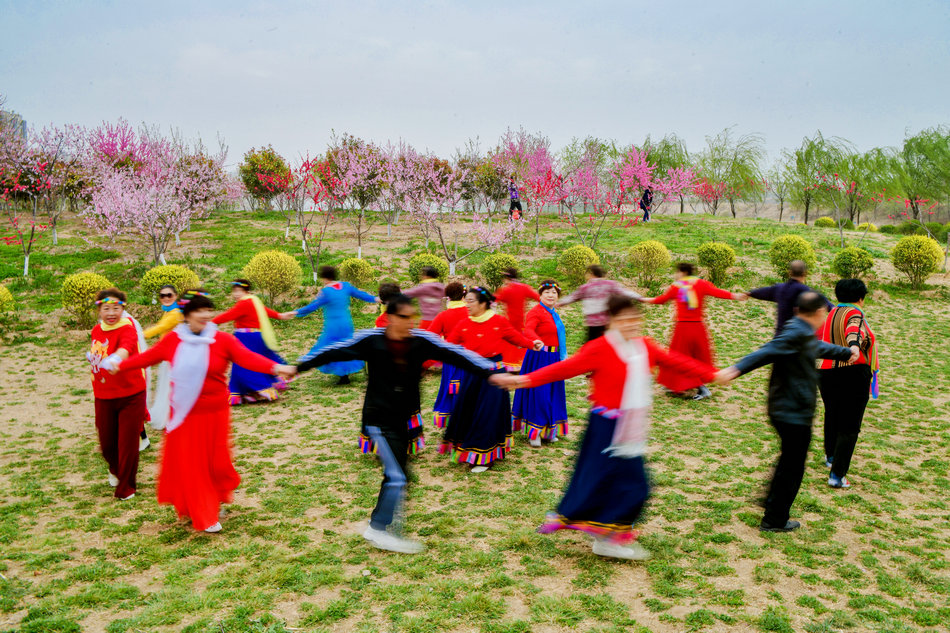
x=189, y=370
x=633, y=424
x=142, y=347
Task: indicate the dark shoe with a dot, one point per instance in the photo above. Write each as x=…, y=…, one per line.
x=702, y=394
x=788, y=527
x=344, y=380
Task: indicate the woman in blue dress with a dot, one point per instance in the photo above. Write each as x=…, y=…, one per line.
x=334, y=298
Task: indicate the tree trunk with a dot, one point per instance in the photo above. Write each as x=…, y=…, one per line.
x=26, y=265
x=452, y=267
x=807, y=205
x=55, y=236
x=537, y=228
x=177, y=239
x=732, y=207
x=781, y=208
x=287, y=231
x=682, y=205
x=161, y=259
x=389, y=230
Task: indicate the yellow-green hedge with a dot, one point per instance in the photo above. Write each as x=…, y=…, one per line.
x=273, y=272
x=357, y=272
x=79, y=295
x=917, y=256
x=170, y=275
x=574, y=261
x=648, y=259
x=787, y=249
x=493, y=267
x=716, y=258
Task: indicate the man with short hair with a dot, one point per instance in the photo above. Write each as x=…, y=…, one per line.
x=394, y=356
x=785, y=294
x=793, y=388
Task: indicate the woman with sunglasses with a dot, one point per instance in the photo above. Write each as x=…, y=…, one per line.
x=171, y=317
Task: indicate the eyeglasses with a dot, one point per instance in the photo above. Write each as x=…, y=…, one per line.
x=165, y=295
x=405, y=316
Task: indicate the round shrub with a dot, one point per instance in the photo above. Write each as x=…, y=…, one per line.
x=493, y=267
x=847, y=225
x=170, y=275
x=867, y=226
x=825, y=223
x=273, y=272
x=852, y=263
x=788, y=248
x=888, y=229
x=420, y=261
x=79, y=295
x=574, y=261
x=357, y=271
x=647, y=259
x=917, y=256
x=716, y=258
x=6, y=300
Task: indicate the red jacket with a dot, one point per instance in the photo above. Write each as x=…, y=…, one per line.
x=225, y=350
x=609, y=372
x=244, y=315
x=539, y=324
x=702, y=288
x=443, y=324
x=514, y=294
x=486, y=338
x=106, y=386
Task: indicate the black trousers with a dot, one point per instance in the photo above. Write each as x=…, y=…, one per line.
x=595, y=331
x=392, y=448
x=845, y=392
x=789, y=470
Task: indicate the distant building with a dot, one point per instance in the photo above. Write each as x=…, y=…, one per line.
x=13, y=121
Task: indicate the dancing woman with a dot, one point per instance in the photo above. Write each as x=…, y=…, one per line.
x=442, y=325
x=542, y=411
x=158, y=409
x=252, y=327
x=690, y=336
x=479, y=429
x=334, y=298
x=196, y=474
x=120, y=400
x=609, y=486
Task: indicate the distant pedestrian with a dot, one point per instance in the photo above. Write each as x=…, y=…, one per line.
x=646, y=203
x=514, y=211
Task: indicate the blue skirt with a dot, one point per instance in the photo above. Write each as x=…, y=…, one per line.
x=245, y=382
x=479, y=427
x=542, y=411
x=448, y=389
x=606, y=494
x=329, y=337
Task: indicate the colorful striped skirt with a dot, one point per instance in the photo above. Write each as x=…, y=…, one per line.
x=448, y=389
x=250, y=386
x=417, y=440
x=541, y=411
x=478, y=431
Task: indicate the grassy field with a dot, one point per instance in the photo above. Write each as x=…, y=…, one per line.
x=875, y=557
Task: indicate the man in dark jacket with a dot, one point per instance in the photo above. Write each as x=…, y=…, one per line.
x=793, y=389
x=785, y=294
x=394, y=356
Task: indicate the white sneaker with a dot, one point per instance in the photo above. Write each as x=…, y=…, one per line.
x=143, y=444
x=214, y=528
x=384, y=540
x=611, y=550
x=536, y=442
x=127, y=498
x=554, y=439
x=113, y=480
x=479, y=469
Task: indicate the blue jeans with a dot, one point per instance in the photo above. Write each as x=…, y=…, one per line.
x=392, y=450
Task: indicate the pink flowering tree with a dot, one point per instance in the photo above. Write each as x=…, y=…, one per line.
x=358, y=165
x=399, y=180
x=65, y=149
x=710, y=194
x=526, y=159
x=24, y=182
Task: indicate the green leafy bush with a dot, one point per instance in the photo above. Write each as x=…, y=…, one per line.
x=172, y=274
x=788, y=248
x=825, y=223
x=716, y=258
x=420, y=261
x=273, y=272
x=494, y=265
x=869, y=227
x=917, y=256
x=852, y=263
x=647, y=259
x=848, y=225
x=888, y=229
x=6, y=300
x=357, y=271
x=574, y=261
x=79, y=295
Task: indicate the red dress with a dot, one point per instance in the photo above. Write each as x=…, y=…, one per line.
x=690, y=336
x=514, y=295
x=196, y=473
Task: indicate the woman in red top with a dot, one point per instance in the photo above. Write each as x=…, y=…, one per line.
x=252, y=327
x=442, y=325
x=690, y=336
x=196, y=473
x=513, y=295
x=479, y=429
x=543, y=410
x=609, y=486
x=120, y=400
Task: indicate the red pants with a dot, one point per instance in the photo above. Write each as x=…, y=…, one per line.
x=118, y=424
x=690, y=338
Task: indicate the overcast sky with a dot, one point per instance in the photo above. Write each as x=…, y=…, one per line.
x=438, y=73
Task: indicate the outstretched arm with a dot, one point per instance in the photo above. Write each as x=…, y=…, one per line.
x=355, y=348
x=163, y=350
x=669, y=295
x=679, y=363
x=765, y=294
x=455, y=355
x=582, y=362
x=319, y=301
x=778, y=347
x=359, y=294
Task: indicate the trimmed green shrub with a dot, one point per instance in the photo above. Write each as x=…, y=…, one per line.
x=848, y=225
x=788, y=248
x=172, y=274
x=869, y=227
x=852, y=263
x=647, y=259
x=574, y=261
x=6, y=300
x=79, y=295
x=357, y=271
x=421, y=260
x=917, y=256
x=888, y=229
x=273, y=272
x=825, y=223
x=716, y=258
x=494, y=265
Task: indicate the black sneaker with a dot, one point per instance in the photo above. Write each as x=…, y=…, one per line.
x=788, y=527
x=344, y=380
